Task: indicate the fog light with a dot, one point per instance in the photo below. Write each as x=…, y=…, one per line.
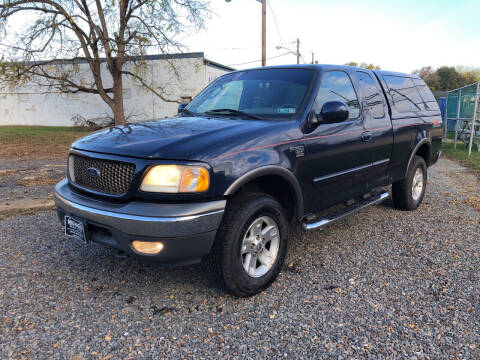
x=148, y=247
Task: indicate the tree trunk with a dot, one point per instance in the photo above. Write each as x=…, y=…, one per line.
x=117, y=108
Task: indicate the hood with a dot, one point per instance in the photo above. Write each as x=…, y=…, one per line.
x=183, y=138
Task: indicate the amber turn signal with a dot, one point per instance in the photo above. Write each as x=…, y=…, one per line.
x=194, y=179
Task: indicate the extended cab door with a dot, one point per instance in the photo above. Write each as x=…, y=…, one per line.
x=338, y=157
x=378, y=127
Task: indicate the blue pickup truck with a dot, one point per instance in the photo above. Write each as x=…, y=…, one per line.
x=256, y=151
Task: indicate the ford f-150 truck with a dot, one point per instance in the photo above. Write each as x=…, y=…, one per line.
x=254, y=152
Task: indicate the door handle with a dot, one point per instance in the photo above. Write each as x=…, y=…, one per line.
x=366, y=136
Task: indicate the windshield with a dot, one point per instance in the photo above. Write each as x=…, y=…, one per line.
x=264, y=94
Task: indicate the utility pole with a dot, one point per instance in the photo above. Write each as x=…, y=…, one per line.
x=298, y=51
x=264, y=32
x=313, y=58
x=293, y=52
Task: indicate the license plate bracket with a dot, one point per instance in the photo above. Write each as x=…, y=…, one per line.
x=76, y=228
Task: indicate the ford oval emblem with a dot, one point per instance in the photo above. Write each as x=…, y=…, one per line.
x=93, y=172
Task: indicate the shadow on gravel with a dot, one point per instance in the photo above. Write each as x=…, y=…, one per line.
x=388, y=203
x=94, y=259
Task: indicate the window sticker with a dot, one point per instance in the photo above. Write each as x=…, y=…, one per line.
x=286, y=110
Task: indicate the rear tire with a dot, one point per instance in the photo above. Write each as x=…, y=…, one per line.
x=408, y=193
x=251, y=244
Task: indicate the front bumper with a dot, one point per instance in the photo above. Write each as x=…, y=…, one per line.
x=187, y=230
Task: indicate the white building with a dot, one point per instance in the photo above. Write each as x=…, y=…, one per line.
x=34, y=105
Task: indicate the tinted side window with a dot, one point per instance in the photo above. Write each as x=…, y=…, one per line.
x=336, y=86
x=405, y=96
x=372, y=95
x=429, y=100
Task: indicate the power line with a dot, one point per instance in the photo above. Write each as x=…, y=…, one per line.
x=275, y=20
x=251, y=62
x=242, y=48
x=301, y=57
x=233, y=48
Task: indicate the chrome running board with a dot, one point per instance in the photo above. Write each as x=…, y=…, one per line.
x=331, y=218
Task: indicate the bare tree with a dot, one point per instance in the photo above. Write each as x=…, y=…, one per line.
x=105, y=34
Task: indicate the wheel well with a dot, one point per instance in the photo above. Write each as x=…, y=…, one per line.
x=424, y=152
x=278, y=188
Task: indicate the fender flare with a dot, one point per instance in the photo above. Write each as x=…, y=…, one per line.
x=419, y=144
x=276, y=170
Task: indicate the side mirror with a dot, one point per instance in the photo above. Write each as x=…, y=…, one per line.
x=332, y=112
x=181, y=107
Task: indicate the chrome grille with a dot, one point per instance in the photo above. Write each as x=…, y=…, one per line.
x=106, y=176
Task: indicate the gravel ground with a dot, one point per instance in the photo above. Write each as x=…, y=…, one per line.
x=380, y=284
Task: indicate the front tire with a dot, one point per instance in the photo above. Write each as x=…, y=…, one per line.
x=408, y=193
x=251, y=244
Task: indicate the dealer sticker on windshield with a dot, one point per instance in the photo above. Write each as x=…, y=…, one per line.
x=286, y=110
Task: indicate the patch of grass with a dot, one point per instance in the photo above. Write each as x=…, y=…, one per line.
x=450, y=135
x=461, y=154
x=38, y=142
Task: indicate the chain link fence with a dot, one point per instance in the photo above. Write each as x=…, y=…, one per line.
x=462, y=110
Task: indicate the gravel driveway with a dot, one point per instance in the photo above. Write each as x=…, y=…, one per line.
x=380, y=284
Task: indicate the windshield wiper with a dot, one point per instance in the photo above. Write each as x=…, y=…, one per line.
x=232, y=112
x=188, y=112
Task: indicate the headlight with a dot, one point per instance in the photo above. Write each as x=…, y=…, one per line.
x=176, y=179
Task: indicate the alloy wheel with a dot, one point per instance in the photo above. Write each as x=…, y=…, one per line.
x=260, y=246
x=417, y=184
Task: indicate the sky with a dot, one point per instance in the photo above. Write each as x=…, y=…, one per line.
x=396, y=35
